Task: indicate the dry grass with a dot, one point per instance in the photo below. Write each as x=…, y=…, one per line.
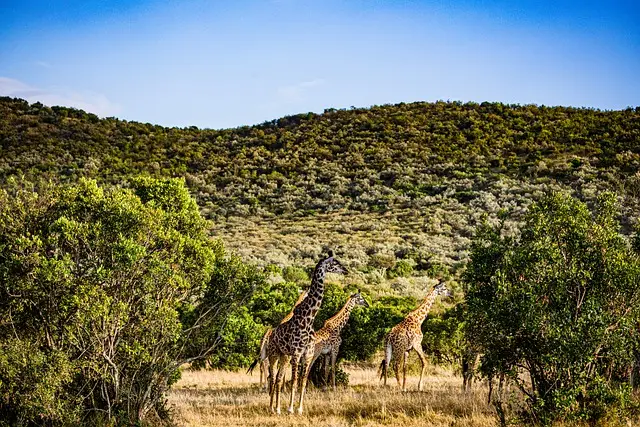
x=220, y=398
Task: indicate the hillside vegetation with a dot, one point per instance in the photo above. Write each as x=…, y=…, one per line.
x=391, y=183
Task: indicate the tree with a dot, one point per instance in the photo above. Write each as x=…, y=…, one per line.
x=555, y=310
x=106, y=291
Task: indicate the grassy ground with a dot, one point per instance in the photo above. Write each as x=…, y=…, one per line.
x=220, y=398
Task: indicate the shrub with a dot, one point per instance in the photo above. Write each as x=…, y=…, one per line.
x=103, y=294
x=364, y=334
x=403, y=268
x=295, y=274
x=272, y=301
x=33, y=384
x=561, y=303
x=443, y=337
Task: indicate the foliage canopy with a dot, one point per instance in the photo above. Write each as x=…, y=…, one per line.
x=556, y=309
x=103, y=294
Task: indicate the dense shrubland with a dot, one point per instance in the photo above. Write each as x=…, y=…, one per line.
x=438, y=166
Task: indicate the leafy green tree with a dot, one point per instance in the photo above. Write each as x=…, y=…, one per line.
x=104, y=292
x=555, y=309
x=443, y=335
x=239, y=341
x=220, y=330
x=271, y=302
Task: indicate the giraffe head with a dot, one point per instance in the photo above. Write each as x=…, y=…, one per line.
x=332, y=265
x=441, y=289
x=358, y=299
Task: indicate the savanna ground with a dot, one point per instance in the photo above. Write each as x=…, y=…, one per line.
x=222, y=398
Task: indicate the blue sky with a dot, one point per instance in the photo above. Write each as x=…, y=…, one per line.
x=225, y=64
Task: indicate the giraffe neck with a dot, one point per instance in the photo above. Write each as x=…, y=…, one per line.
x=423, y=309
x=340, y=319
x=309, y=307
x=301, y=297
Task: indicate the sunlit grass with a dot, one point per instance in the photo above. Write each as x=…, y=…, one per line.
x=216, y=398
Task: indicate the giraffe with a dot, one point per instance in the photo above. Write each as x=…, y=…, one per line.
x=327, y=339
x=262, y=358
x=291, y=341
x=407, y=336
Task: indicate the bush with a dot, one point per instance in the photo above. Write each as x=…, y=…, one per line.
x=271, y=302
x=561, y=303
x=316, y=375
x=364, y=334
x=403, y=268
x=103, y=294
x=444, y=335
x=295, y=274
x=33, y=384
x=239, y=341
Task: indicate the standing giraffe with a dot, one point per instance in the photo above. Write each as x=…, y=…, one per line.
x=407, y=336
x=262, y=358
x=327, y=339
x=292, y=341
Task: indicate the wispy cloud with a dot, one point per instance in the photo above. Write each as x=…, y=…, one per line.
x=296, y=92
x=43, y=64
x=89, y=101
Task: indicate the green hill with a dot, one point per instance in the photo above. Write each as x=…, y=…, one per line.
x=391, y=183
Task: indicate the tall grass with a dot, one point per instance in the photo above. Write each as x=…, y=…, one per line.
x=220, y=398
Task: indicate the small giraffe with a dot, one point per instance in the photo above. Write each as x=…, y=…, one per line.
x=407, y=336
x=328, y=340
x=291, y=341
x=262, y=358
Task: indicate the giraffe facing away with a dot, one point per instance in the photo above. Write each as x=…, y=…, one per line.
x=407, y=336
x=327, y=339
x=262, y=358
x=292, y=341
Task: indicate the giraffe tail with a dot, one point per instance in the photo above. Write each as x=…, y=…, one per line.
x=383, y=368
x=253, y=365
x=384, y=365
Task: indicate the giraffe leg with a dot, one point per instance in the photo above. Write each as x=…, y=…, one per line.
x=387, y=360
x=294, y=381
x=326, y=372
x=273, y=361
x=264, y=360
x=334, y=356
x=265, y=367
x=397, y=361
x=283, y=362
x=262, y=372
x=423, y=360
x=404, y=370
x=396, y=371
x=308, y=357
